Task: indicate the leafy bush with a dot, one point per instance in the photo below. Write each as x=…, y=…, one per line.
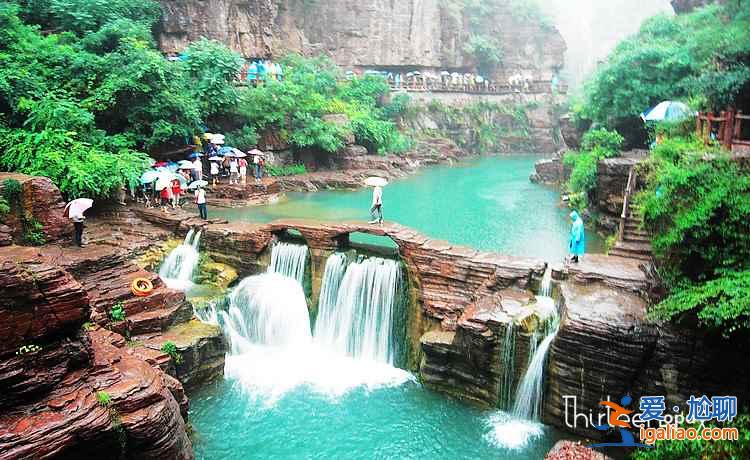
x=4, y=207
x=290, y=170
x=609, y=142
x=33, y=231
x=117, y=312
x=103, y=398
x=700, y=56
x=244, y=138
x=12, y=192
x=722, y=304
x=171, y=349
x=702, y=449
x=697, y=210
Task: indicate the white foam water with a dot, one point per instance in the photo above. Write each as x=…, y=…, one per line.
x=177, y=269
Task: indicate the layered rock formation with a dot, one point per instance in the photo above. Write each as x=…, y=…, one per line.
x=412, y=34
x=72, y=393
x=40, y=199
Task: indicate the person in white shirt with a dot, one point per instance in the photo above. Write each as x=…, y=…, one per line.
x=200, y=200
x=234, y=172
x=215, y=172
x=377, y=206
x=198, y=168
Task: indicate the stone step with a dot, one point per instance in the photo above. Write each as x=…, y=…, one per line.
x=614, y=252
x=636, y=237
x=636, y=248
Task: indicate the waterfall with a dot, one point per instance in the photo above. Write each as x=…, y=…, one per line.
x=267, y=309
x=545, y=289
x=514, y=430
x=289, y=260
x=272, y=349
x=360, y=322
x=329, y=290
x=177, y=269
x=509, y=361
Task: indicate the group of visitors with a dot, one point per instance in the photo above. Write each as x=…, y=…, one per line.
x=259, y=71
x=431, y=81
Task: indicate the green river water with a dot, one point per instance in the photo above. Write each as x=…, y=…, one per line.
x=358, y=411
x=488, y=204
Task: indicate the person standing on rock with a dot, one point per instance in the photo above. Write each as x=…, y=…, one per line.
x=200, y=200
x=243, y=171
x=577, y=244
x=377, y=205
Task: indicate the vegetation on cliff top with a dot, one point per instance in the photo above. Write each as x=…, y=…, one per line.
x=702, y=57
x=85, y=93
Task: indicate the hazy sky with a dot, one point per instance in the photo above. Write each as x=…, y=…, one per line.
x=591, y=28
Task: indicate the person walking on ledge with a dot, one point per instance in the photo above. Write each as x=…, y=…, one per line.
x=577, y=244
x=377, y=205
x=200, y=200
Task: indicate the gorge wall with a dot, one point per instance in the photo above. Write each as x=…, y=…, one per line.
x=365, y=34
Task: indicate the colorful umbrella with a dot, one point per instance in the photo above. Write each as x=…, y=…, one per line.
x=78, y=207
x=667, y=111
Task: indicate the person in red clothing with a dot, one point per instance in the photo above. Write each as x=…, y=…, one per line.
x=166, y=196
x=176, y=191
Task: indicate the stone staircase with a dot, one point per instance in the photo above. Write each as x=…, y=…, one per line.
x=633, y=242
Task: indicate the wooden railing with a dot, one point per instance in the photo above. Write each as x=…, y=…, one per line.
x=629, y=189
x=725, y=128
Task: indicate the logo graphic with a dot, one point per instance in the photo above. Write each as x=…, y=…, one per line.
x=615, y=413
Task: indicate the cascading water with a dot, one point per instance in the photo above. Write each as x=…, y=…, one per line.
x=177, y=269
x=289, y=260
x=360, y=322
x=516, y=429
x=509, y=361
x=267, y=325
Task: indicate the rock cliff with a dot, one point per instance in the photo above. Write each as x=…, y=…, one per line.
x=427, y=34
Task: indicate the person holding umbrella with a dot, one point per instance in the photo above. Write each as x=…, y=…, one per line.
x=377, y=198
x=215, y=161
x=200, y=197
x=74, y=210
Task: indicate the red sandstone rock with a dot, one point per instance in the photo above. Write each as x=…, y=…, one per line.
x=143, y=417
x=569, y=450
x=41, y=199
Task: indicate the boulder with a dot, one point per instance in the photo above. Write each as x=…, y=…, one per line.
x=41, y=199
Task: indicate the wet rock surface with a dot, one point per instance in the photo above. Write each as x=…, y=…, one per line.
x=41, y=199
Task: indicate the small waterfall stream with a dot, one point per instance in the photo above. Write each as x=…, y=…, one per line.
x=515, y=429
x=289, y=259
x=177, y=269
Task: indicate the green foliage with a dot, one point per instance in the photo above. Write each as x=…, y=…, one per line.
x=596, y=144
x=12, y=192
x=28, y=350
x=4, y=207
x=103, y=398
x=33, y=230
x=298, y=105
x=610, y=142
x=79, y=169
x=486, y=49
x=722, y=304
x=171, y=349
x=290, y=170
x=702, y=56
x=700, y=448
x=697, y=208
x=397, y=107
x=117, y=312
x=244, y=138
x=211, y=69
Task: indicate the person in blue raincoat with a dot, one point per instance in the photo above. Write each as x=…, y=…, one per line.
x=577, y=245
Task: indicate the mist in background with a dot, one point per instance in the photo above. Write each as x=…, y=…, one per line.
x=592, y=28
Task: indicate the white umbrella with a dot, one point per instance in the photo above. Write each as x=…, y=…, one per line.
x=77, y=207
x=184, y=164
x=376, y=182
x=256, y=152
x=215, y=159
x=198, y=183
